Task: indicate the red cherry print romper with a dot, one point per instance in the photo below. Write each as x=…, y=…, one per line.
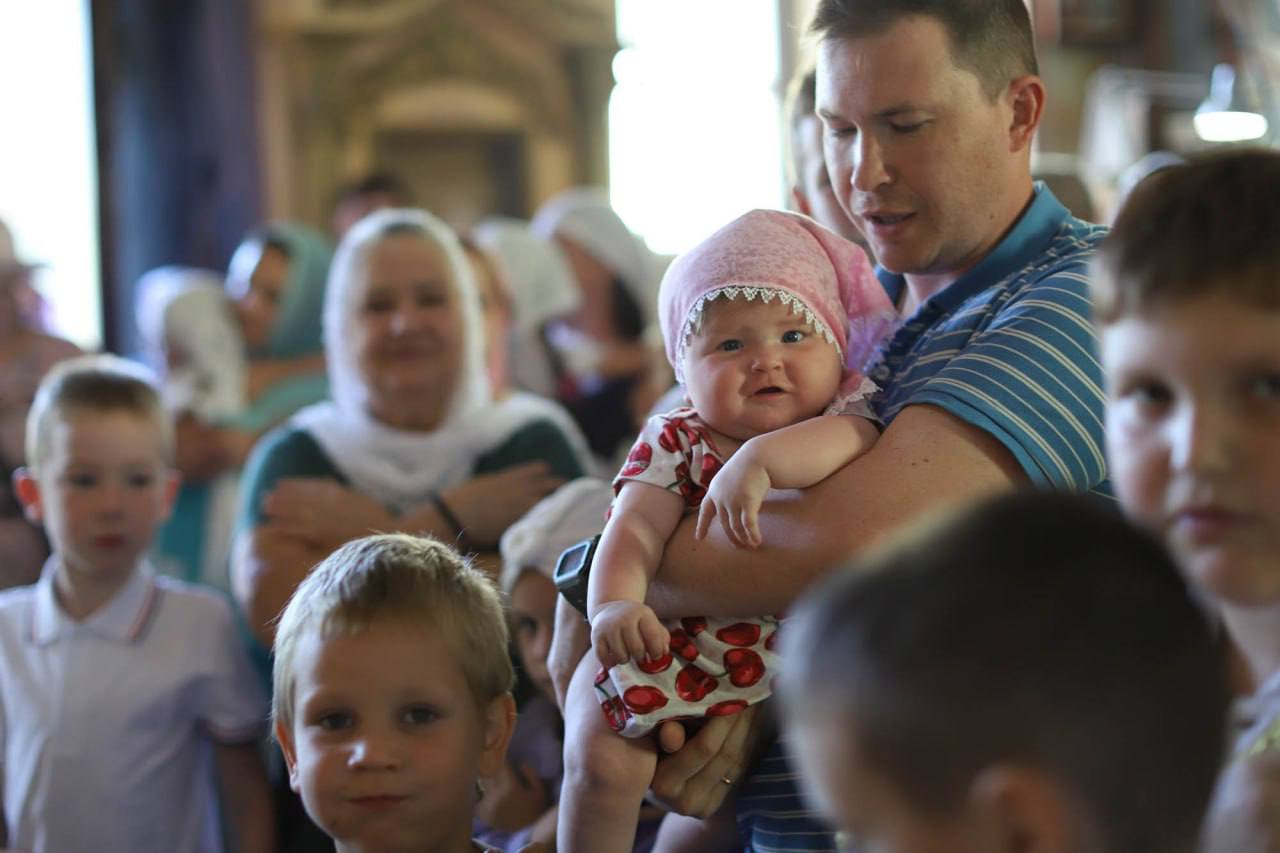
x=714, y=666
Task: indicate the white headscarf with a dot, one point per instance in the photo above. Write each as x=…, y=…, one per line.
x=584, y=216
x=189, y=306
x=535, y=269
x=571, y=513
x=402, y=468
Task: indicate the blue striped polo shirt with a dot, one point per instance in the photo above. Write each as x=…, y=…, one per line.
x=1008, y=347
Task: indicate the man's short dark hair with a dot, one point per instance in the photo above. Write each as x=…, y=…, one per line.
x=1037, y=629
x=1187, y=231
x=991, y=38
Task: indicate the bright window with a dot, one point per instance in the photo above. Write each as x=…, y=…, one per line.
x=48, y=164
x=694, y=122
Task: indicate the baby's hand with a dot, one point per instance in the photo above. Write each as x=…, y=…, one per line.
x=627, y=630
x=735, y=495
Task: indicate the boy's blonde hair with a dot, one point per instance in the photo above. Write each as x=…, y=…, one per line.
x=94, y=384
x=395, y=575
x=1194, y=230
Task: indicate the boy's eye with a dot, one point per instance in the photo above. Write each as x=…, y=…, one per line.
x=419, y=715
x=81, y=479
x=1266, y=386
x=793, y=336
x=730, y=345
x=334, y=721
x=140, y=480
x=1150, y=395
x=524, y=625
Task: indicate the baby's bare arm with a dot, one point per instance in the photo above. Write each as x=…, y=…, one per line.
x=622, y=627
x=793, y=457
x=804, y=454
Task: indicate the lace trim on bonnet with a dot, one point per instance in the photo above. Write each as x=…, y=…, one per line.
x=749, y=292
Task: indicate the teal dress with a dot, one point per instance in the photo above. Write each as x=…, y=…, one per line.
x=289, y=451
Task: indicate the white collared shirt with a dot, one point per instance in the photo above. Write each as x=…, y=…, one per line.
x=108, y=724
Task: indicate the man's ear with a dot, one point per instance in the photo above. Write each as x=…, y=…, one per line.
x=1023, y=810
x=285, y=738
x=27, y=489
x=499, y=723
x=1026, y=96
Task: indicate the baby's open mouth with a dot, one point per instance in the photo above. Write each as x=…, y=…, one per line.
x=772, y=389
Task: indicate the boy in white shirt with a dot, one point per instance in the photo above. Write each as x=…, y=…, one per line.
x=120, y=691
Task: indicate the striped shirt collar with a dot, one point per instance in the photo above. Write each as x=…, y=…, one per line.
x=122, y=619
x=1023, y=245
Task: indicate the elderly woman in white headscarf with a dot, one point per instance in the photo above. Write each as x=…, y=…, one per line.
x=412, y=439
x=592, y=347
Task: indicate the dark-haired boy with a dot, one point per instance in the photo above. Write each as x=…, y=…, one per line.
x=1187, y=299
x=1030, y=676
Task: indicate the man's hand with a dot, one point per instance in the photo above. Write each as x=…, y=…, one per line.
x=696, y=776
x=735, y=496
x=627, y=630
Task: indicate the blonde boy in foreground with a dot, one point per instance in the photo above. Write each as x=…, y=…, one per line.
x=1187, y=297
x=120, y=691
x=392, y=698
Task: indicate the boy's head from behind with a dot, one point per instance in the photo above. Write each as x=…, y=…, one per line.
x=1186, y=292
x=391, y=692
x=99, y=444
x=1031, y=675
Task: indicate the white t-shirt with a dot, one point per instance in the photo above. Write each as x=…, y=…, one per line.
x=108, y=724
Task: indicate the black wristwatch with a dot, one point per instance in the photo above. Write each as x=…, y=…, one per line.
x=572, y=572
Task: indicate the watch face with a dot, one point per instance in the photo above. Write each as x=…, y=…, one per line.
x=572, y=571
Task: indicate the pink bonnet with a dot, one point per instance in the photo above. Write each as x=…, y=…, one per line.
x=768, y=254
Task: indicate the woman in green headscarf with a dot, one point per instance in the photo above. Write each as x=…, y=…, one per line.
x=275, y=287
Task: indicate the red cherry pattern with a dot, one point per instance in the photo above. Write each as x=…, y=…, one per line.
x=692, y=684
x=637, y=460
x=655, y=666
x=643, y=699
x=615, y=712
x=695, y=625
x=727, y=707
x=682, y=644
x=739, y=634
x=744, y=666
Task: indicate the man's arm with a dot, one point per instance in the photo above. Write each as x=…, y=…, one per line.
x=925, y=460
